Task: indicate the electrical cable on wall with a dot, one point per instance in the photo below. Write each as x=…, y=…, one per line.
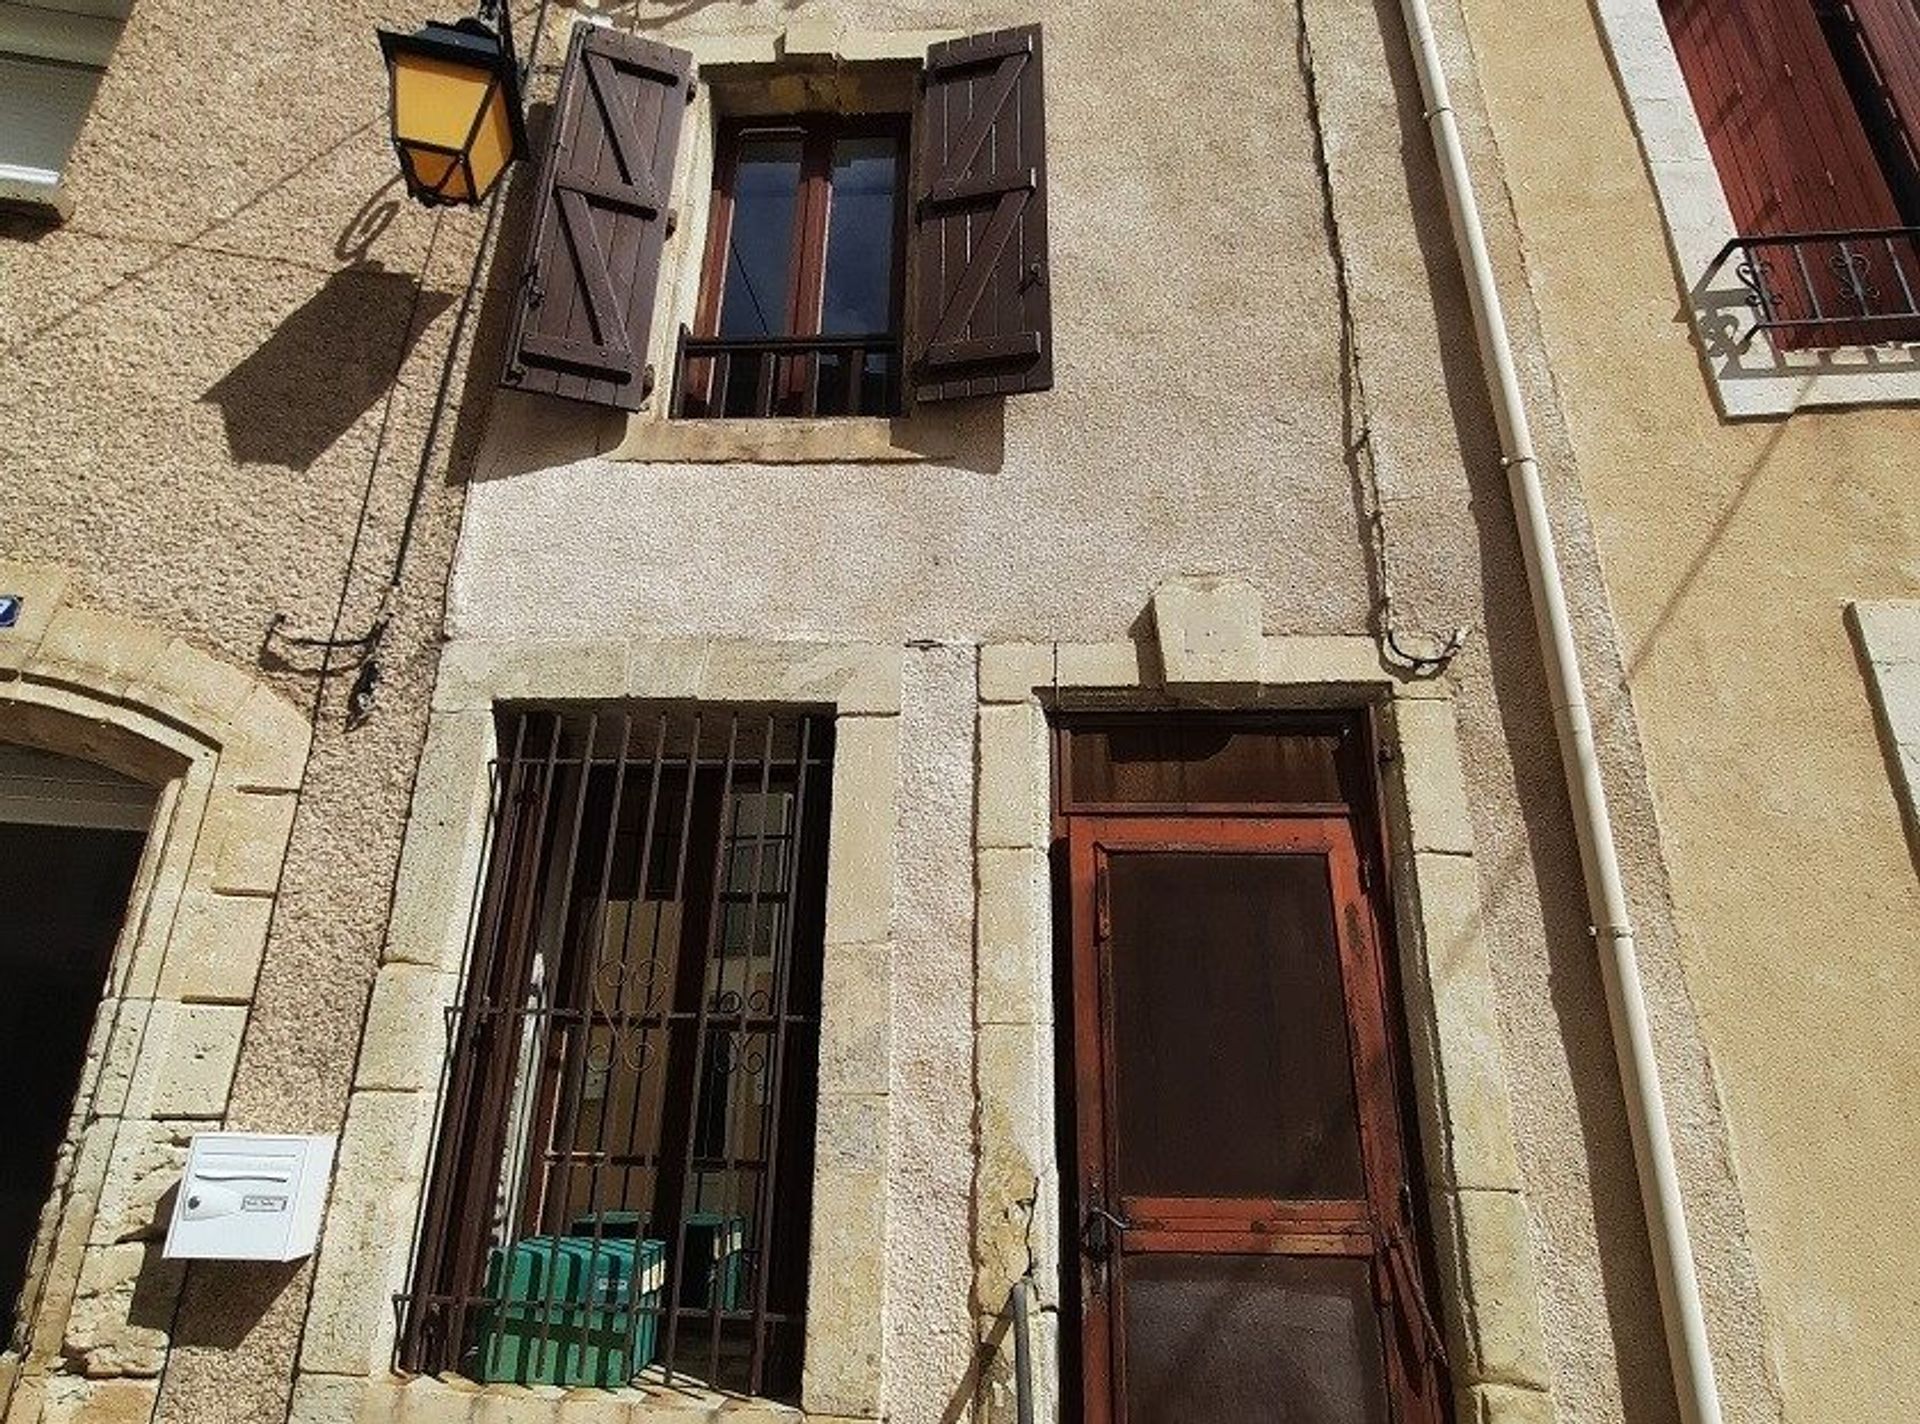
x=366, y=683
x=1360, y=451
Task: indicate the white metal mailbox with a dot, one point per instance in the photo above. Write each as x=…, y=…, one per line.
x=247, y=1196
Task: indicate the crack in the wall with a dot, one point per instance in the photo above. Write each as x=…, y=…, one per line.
x=1357, y=440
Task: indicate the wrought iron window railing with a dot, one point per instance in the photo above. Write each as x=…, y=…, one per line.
x=622, y=1178
x=1842, y=287
x=749, y=377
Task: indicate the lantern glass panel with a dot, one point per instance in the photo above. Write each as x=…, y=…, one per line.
x=441, y=174
x=435, y=100
x=452, y=122
x=492, y=148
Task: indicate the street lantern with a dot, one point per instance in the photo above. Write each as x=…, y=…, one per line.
x=456, y=107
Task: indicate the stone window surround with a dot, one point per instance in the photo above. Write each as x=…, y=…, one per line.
x=226, y=754
x=1475, y=1190
x=1759, y=381
x=367, y=1244
x=1887, y=633
x=922, y=434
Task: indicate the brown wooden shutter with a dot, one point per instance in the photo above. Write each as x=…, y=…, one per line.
x=585, y=304
x=984, y=318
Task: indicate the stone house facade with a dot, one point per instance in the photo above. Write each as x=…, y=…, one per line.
x=221, y=374
x=1723, y=482
x=1255, y=495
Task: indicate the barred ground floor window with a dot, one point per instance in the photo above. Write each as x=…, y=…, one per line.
x=621, y=1180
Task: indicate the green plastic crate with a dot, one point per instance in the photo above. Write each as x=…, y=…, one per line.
x=596, y=1304
x=716, y=1253
x=715, y=1273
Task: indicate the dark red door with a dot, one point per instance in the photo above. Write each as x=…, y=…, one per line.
x=1245, y=1245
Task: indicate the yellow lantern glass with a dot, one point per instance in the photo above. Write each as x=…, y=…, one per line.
x=455, y=108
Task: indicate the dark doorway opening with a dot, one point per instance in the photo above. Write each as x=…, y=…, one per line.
x=63, y=897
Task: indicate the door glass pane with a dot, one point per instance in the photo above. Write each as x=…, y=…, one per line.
x=858, y=298
x=766, y=195
x=1232, y=1065
x=1284, y=1339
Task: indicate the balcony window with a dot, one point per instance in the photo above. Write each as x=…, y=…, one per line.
x=800, y=304
x=1810, y=109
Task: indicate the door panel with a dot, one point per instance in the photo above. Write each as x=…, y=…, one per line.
x=1240, y=1166
x=1221, y=980
x=1213, y=1338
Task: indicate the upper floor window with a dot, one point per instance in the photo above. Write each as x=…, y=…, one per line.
x=1811, y=110
x=52, y=54
x=829, y=288
x=801, y=294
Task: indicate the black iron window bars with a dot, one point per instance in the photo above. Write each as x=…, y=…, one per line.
x=622, y=1176
x=1851, y=286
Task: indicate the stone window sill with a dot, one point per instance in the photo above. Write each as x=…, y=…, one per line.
x=847, y=440
x=1762, y=382
x=450, y=1398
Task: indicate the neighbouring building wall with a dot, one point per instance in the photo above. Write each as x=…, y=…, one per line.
x=218, y=374
x=1733, y=550
x=1216, y=272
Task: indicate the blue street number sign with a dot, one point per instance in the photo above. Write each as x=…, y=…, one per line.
x=10, y=609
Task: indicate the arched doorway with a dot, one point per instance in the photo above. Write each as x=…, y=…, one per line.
x=72, y=834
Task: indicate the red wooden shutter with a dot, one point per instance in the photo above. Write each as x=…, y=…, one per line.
x=1783, y=130
x=985, y=323
x=585, y=304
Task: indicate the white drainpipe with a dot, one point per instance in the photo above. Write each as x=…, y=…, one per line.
x=1607, y=902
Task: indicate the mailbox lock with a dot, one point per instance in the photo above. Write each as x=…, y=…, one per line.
x=193, y=1203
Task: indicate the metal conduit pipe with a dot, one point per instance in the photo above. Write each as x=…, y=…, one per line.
x=1679, y=1288
x=1022, y=1352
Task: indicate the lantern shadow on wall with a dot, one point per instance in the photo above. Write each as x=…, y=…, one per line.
x=324, y=367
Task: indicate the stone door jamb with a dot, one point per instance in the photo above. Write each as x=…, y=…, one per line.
x=225, y=753
x=1491, y=1302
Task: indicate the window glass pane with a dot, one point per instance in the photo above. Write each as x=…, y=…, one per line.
x=766, y=195
x=1288, y=1339
x=858, y=295
x=1233, y=1076
x=42, y=107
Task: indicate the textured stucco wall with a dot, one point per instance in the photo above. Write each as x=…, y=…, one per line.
x=1202, y=421
x=1732, y=550
x=197, y=426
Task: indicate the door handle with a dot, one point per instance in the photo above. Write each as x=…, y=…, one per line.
x=1100, y=1229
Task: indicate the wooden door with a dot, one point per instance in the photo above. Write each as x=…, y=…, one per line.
x=1246, y=1237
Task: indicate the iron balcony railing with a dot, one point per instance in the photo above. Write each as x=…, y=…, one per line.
x=761, y=376
x=1839, y=287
